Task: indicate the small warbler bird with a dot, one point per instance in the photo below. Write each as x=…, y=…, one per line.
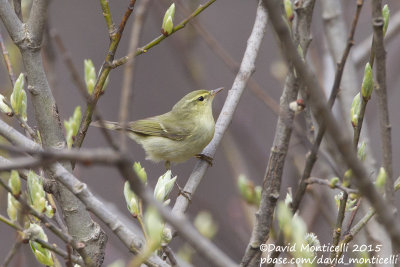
x=178, y=134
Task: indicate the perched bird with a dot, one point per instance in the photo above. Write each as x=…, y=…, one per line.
x=178, y=134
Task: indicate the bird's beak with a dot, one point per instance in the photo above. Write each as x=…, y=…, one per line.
x=216, y=91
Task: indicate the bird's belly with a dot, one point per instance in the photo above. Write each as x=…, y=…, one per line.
x=164, y=149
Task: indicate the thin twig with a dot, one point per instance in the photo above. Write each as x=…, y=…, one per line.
x=362, y=51
x=7, y=61
x=322, y=113
x=312, y=156
x=156, y=41
x=115, y=37
x=315, y=180
x=381, y=91
x=48, y=223
x=273, y=177
x=44, y=244
x=126, y=93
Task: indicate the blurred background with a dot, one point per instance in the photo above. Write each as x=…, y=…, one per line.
x=182, y=63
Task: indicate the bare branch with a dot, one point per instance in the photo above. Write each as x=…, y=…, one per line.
x=37, y=20
x=322, y=113
x=7, y=61
x=126, y=94
x=45, y=244
x=315, y=180
x=381, y=91
x=12, y=23
x=156, y=41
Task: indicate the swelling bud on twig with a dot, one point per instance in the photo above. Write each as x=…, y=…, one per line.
x=15, y=183
x=168, y=21
x=18, y=98
x=368, y=83
x=72, y=126
x=248, y=191
x=90, y=75
x=13, y=207
x=154, y=226
x=386, y=16
x=355, y=110
x=381, y=179
x=361, y=153
x=42, y=255
x=164, y=186
x=37, y=196
x=140, y=172
x=4, y=107
x=132, y=201
x=333, y=182
x=289, y=10
x=205, y=224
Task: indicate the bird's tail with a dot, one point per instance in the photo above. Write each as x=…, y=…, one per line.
x=111, y=125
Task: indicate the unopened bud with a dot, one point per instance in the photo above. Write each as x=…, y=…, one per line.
x=4, y=107
x=386, y=16
x=90, y=75
x=381, y=179
x=361, y=153
x=368, y=83
x=18, y=98
x=355, y=110
x=168, y=21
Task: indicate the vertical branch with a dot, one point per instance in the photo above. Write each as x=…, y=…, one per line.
x=280, y=146
x=29, y=39
x=115, y=37
x=7, y=61
x=381, y=91
x=126, y=94
x=322, y=113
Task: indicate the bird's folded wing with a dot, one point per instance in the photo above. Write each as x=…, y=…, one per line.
x=155, y=128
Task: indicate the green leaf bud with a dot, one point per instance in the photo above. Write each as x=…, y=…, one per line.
x=168, y=24
x=381, y=179
x=37, y=196
x=18, y=98
x=42, y=254
x=355, y=110
x=333, y=182
x=289, y=10
x=90, y=75
x=368, y=83
x=284, y=216
x=164, y=186
x=4, y=107
x=13, y=207
x=72, y=126
x=140, y=172
x=154, y=226
x=386, y=16
x=15, y=183
x=132, y=201
x=361, y=153
x=166, y=236
x=205, y=224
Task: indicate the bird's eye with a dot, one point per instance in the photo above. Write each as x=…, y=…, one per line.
x=201, y=98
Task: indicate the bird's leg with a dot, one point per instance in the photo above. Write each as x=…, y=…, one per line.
x=184, y=193
x=167, y=165
x=206, y=158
